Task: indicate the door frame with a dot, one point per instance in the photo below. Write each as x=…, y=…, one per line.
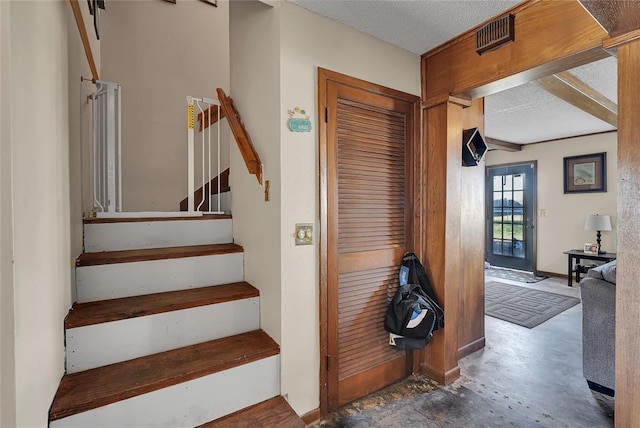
x=534, y=208
x=324, y=76
x=570, y=38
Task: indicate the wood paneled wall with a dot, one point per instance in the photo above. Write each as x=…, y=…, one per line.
x=472, y=231
x=551, y=37
x=454, y=244
x=628, y=289
x=442, y=247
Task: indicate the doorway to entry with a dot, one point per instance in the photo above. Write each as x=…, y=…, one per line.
x=511, y=215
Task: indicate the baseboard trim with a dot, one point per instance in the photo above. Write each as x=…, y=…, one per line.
x=552, y=274
x=471, y=347
x=443, y=378
x=311, y=417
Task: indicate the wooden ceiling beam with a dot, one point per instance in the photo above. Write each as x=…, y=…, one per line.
x=494, y=144
x=569, y=88
x=551, y=36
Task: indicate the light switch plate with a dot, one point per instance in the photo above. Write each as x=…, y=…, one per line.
x=304, y=234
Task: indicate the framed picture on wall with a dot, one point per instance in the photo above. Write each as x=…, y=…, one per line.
x=585, y=173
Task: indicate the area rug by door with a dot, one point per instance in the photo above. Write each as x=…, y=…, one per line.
x=513, y=275
x=524, y=306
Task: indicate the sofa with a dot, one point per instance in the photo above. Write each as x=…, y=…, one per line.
x=598, y=293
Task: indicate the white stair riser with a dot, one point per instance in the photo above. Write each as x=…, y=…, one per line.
x=107, y=343
x=190, y=403
x=155, y=234
x=117, y=280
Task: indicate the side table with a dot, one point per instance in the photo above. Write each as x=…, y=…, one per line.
x=577, y=255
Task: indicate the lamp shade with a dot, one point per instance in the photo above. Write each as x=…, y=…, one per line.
x=597, y=222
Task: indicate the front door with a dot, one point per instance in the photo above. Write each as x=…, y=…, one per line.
x=510, y=191
x=369, y=136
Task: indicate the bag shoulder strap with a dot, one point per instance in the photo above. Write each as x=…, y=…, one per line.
x=419, y=276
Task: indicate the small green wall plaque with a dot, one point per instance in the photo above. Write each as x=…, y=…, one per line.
x=298, y=120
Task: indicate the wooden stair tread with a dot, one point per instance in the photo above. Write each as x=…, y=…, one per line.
x=126, y=256
x=90, y=389
x=98, y=220
x=275, y=412
x=84, y=314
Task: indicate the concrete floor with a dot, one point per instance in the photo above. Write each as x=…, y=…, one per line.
x=522, y=378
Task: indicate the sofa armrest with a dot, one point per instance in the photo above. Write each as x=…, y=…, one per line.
x=598, y=331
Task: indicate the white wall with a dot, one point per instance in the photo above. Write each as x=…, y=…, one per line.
x=309, y=41
x=80, y=135
x=150, y=47
x=38, y=139
x=7, y=344
x=255, y=88
x=275, y=53
x=563, y=227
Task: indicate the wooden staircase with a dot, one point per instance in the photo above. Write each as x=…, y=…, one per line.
x=166, y=332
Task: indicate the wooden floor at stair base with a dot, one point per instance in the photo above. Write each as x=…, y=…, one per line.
x=90, y=389
x=275, y=412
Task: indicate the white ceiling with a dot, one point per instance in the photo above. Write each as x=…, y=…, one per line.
x=415, y=25
x=529, y=114
x=525, y=114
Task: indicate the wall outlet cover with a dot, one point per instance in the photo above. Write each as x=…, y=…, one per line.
x=304, y=234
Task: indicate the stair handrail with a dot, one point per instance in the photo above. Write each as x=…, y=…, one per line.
x=82, y=29
x=249, y=154
x=213, y=113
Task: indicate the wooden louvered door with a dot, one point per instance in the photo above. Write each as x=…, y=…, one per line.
x=369, y=138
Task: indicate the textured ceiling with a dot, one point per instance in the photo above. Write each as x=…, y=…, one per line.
x=415, y=25
x=529, y=114
x=525, y=114
x=602, y=76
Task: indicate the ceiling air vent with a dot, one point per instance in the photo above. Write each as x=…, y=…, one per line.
x=495, y=33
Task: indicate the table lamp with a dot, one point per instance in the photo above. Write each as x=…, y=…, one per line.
x=598, y=223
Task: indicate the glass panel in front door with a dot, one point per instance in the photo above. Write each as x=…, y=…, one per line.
x=508, y=216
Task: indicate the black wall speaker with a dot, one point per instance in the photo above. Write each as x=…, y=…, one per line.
x=473, y=147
